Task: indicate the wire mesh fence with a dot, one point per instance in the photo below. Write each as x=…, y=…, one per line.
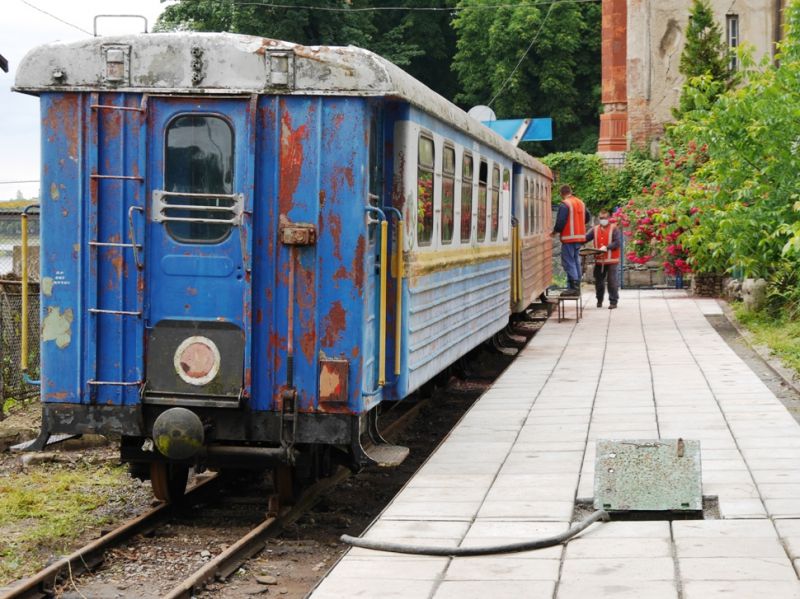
x=12, y=386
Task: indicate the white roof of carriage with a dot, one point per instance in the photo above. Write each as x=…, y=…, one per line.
x=224, y=63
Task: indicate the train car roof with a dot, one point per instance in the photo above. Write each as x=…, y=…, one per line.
x=225, y=63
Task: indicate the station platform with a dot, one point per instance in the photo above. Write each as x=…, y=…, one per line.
x=514, y=466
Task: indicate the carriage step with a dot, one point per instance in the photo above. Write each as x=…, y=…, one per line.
x=386, y=455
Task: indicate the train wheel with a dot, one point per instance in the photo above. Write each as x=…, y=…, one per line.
x=168, y=481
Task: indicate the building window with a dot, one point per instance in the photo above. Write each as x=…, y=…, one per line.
x=467, y=167
x=448, y=193
x=199, y=160
x=425, y=162
x=733, y=40
x=495, y=202
x=483, y=177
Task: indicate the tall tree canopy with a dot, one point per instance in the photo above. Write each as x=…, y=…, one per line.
x=558, y=77
x=704, y=60
x=422, y=42
x=467, y=53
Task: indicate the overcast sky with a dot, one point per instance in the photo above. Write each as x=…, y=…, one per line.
x=22, y=27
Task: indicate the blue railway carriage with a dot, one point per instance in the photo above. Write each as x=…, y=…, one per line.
x=248, y=245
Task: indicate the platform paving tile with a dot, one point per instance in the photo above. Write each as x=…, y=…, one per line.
x=483, y=589
x=511, y=468
x=370, y=588
x=737, y=568
x=756, y=589
x=789, y=531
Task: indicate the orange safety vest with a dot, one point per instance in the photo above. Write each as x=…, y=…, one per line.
x=575, y=229
x=603, y=236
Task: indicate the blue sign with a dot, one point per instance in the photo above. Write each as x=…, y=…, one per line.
x=538, y=129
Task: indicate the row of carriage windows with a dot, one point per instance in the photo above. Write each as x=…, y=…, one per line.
x=199, y=160
x=488, y=193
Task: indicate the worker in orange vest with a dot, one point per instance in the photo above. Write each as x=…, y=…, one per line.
x=606, y=237
x=571, y=222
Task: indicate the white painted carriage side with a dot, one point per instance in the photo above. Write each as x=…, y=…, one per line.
x=452, y=311
x=406, y=160
x=238, y=64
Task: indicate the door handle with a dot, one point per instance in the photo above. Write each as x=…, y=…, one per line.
x=132, y=235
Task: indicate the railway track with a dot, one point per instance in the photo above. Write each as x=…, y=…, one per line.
x=61, y=574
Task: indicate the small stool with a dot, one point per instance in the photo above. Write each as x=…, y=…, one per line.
x=562, y=299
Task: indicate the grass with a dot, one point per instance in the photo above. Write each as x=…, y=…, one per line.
x=44, y=510
x=780, y=334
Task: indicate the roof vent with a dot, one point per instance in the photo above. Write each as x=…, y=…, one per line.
x=281, y=69
x=117, y=63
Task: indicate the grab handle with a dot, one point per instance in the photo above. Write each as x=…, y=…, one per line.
x=132, y=235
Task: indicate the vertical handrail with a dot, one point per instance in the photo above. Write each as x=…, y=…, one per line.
x=382, y=308
x=382, y=323
x=515, y=295
x=399, y=270
x=24, y=268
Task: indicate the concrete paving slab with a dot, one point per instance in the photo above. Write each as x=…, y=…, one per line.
x=654, y=368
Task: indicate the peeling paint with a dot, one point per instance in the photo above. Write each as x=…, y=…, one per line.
x=291, y=159
x=54, y=193
x=358, y=263
x=57, y=326
x=47, y=286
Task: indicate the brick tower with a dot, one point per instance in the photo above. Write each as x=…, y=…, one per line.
x=613, y=140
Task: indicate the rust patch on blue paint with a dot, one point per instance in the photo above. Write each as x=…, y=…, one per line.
x=334, y=324
x=291, y=159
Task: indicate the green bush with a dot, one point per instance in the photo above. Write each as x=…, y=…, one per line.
x=602, y=186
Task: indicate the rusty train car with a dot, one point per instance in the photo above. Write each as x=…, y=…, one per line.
x=248, y=245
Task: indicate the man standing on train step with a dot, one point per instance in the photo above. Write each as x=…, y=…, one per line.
x=571, y=222
x=606, y=237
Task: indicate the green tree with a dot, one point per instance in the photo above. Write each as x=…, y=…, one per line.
x=421, y=42
x=704, y=57
x=530, y=60
x=301, y=24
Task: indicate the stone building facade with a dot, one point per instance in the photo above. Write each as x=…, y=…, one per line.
x=642, y=41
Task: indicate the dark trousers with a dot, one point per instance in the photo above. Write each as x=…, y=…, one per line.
x=603, y=273
x=571, y=261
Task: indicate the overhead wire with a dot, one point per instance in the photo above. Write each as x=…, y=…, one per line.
x=524, y=54
x=49, y=14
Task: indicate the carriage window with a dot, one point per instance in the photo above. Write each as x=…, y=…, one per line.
x=483, y=176
x=495, y=202
x=448, y=192
x=425, y=191
x=466, y=198
x=539, y=207
x=532, y=206
x=526, y=206
x=199, y=160
x=375, y=172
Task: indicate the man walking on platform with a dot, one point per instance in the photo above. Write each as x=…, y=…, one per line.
x=608, y=238
x=570, y=224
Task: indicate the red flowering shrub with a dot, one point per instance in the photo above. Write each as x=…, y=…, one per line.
x=654, y=222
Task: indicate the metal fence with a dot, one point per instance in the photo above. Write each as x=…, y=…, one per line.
x=12, y=386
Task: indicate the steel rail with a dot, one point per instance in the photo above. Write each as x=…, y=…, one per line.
x=87, y=557
x=229, y=561
x=42, y=584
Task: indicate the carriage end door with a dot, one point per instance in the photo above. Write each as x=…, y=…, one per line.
x=197, y=262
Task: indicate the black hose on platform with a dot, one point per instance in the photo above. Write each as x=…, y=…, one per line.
x=377, y=545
